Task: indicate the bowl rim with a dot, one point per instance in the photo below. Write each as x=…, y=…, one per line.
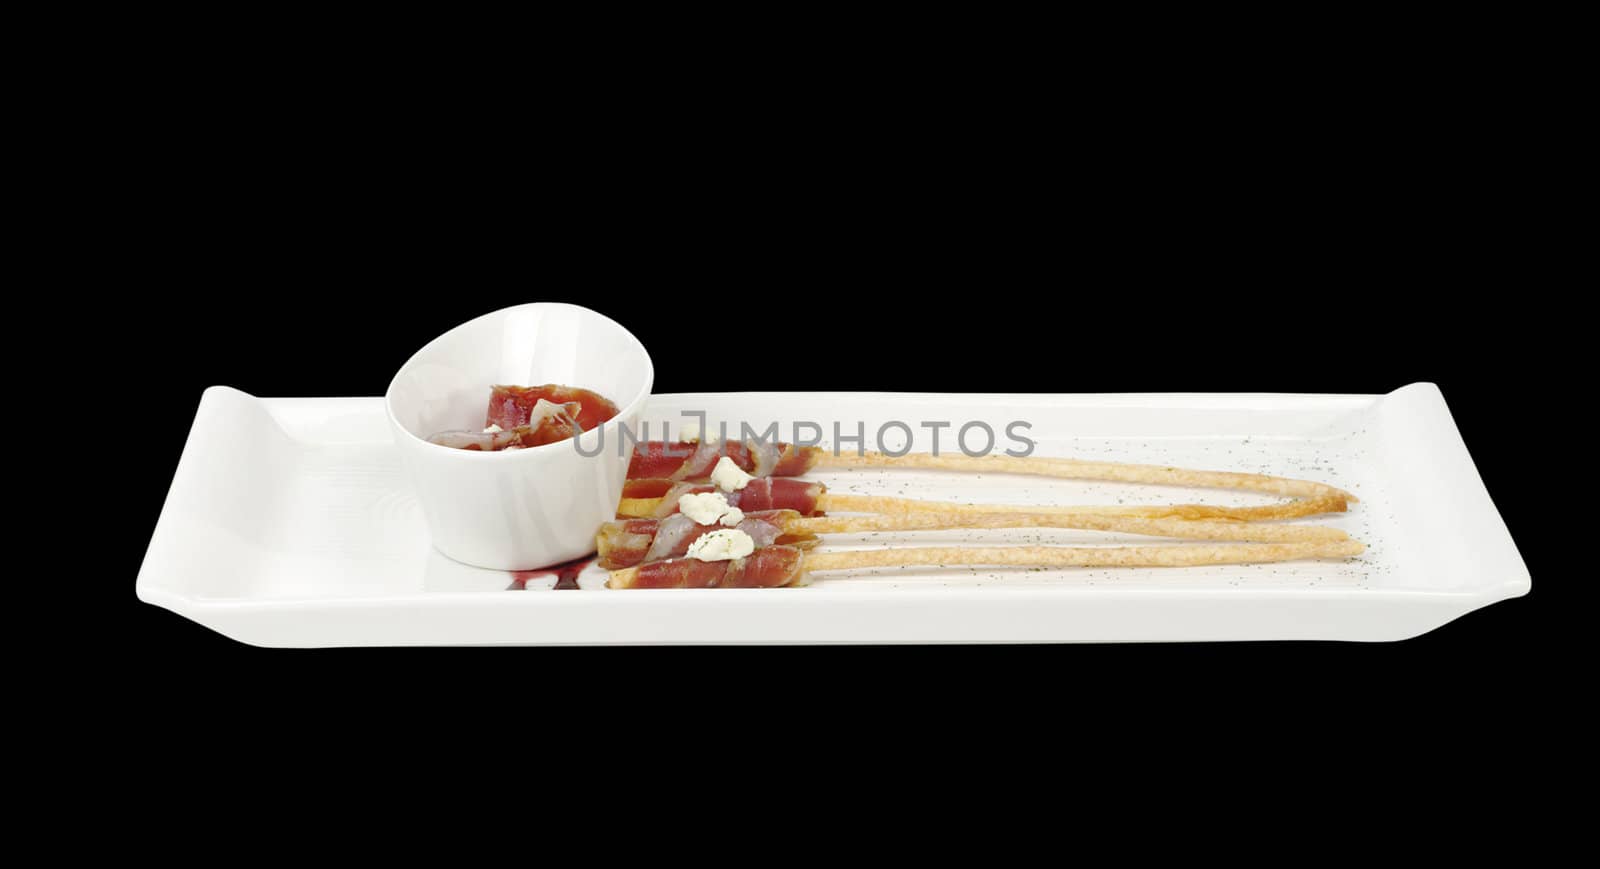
x=542, y=449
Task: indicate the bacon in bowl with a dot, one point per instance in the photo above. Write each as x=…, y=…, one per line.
x=520, y=417
x=514, y=406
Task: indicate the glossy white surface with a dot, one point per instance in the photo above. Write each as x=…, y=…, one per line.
x=524, y=508
x=292, y=523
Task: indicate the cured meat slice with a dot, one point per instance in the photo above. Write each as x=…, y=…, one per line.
x=513, y=406
x=694, y=461
x=762, y=493
x=770, y=567
x=547, y=423
x=653, y=488
x=625, y=543
x=480, y=440
x=635, y=541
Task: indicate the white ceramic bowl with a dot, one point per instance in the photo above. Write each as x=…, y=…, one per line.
x=530, y=508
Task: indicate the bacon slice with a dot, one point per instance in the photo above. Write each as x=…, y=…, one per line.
x=547, y=423
x=647, y=489
x=700, y=464
x=694, y=461
x=794, y=461
x=635, y=541
x=513, y=406
x=482, y=441
x=771, y=567
x=625, y=543
x=762, y=493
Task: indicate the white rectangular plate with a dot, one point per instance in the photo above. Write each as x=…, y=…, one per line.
x=290, y=523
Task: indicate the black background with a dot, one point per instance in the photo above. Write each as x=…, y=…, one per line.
x=1217, y=253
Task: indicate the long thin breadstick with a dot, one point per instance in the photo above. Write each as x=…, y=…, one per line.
x=829, y=501
x=1075, y=469
x=1180, y=528
x=776, y=566
x=631, y=542
x=1184, y=555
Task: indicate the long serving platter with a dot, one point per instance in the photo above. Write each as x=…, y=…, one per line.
x=290, y=523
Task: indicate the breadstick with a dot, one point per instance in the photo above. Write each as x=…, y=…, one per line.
x=776, y=566
x=1075, y=469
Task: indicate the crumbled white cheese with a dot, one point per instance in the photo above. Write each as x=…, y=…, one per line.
x=494, y=428
x=543, y=410
x=733, y=517
x=704, y=509
x=728, y=477
x=691, y=433
x=723, y=545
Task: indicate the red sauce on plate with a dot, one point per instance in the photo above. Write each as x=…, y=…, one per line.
x=566, y=574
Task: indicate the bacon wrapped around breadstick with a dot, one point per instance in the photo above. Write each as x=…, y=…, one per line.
x=635, y=541
x=659, y=498
x=695, y=461
x=779, y=566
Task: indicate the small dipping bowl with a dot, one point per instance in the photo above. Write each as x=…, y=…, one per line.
x=529, y=508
